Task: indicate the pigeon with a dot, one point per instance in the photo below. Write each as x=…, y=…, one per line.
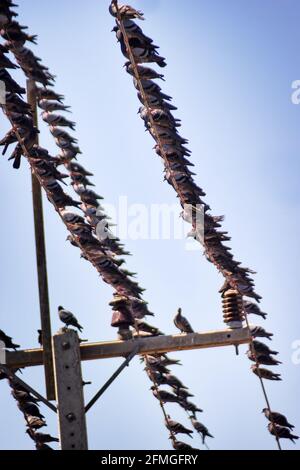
x=34, y=422
x=281, y=432
x=261, y=348
x=251, y=307
x=57, y=120
x=182, y=323
x=164, y=396
x=177, y=428
x=265, y=373
x=68, y=318
x=40, y=437
x=10, y=84
x=78, y=178
x=183, y=393
x=260, y=332
x=201, y=429
x=14, y=103
x=42, y=446
x=48, y=105
x=189, y=406
x=61, y=199
x=30, y=408
x=146, y=328
x=14, y=32
x=75, y=167
x=264, y=359
x=277, y=418
x=144, y=72
x=23, y=395
x=48, y=94
x=40, y=337
x=173, y=381
x=179, y=445
x=5, y=63
x=125, y=12
x=167, y=361
x=7, y=340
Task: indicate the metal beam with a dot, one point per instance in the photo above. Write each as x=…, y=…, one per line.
x=111, y=379
x=149, y=345
x=41, y=259
x=69, y=391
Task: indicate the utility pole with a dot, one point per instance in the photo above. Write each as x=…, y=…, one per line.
x=68, y=354
x=69, y=391
x=41, y=258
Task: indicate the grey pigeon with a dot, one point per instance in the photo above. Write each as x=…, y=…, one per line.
x=41, y=437
x=260, y=332
x=189, y=406
x=34, y=422
x=201, y=429
x=265, y=373
x=252, y=308
x=164, y=396
x=179, y=445
x=277, y=418
x=68, y=318
x=262, y=348
x=125, y=11
x=177, y=428
x=264, y=359
x=281, y=432
x=182, y=323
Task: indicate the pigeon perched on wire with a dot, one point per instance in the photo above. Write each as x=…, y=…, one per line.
x=144, y=72
x=189, y=406
x=179, y=445
x=252, y=308
x=260, y=332
x=125, y=11
x=183, y=393
x=30, y=408
x=177, y=428
x=7, y=340
x=182, y=323
x=34, y=422
x=200, y=428
x=164, y=396
x=261, y=348
x=261, y=358
x=277, y=418
x=281, y=432
x=41, y=437
x=68, y=318
x=265, y=373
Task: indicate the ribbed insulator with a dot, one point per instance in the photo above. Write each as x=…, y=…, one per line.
x=232, y=304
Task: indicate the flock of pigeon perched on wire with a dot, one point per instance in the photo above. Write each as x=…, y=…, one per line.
x=156, y=113
x=101, y=249
x=27, y=403
x=128, y=307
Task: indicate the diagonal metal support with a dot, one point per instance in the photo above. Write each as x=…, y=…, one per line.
x=17, y=379
x=112, y=378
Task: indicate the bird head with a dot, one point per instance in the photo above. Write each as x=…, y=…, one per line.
x=264, y=409
x=60, y=307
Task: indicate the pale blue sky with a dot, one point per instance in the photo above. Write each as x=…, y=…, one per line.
x=230, y=69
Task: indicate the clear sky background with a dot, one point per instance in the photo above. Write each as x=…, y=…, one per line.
x=230, y=69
